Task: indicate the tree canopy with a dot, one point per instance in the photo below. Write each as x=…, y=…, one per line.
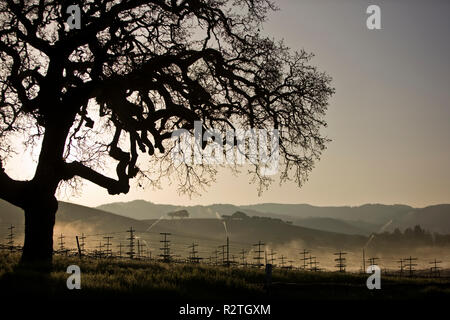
x=136, y=71
x=142, y=69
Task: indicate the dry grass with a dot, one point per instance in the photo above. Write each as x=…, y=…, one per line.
x=127, y=279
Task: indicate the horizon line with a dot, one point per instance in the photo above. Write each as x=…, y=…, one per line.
x=265, y=203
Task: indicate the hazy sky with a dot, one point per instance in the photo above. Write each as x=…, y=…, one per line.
x=389, y=119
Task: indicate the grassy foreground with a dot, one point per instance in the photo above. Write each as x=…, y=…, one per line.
x=125, y=279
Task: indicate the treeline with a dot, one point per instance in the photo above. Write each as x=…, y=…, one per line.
x=238, y=215
x=416, y=236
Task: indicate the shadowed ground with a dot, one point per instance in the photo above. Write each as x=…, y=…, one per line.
x=126, y=279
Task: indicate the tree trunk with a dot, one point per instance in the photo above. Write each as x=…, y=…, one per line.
x=40, y=202
x=39, y=223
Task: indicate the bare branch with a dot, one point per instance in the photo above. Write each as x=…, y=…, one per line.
x=12, y=190
x=78, y=169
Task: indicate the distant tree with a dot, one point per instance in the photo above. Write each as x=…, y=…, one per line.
x=418, y=231
x=397, y=233
x=239, y=215
x=179, y=214
x=408, y=233
x=416, y=236
x=117, y=88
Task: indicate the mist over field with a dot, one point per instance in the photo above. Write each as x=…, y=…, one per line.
x=285, y=231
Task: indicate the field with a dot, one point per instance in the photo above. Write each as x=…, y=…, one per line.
x=126, y=279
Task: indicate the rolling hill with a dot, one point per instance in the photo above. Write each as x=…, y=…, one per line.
x=350, y=220
x=205, y=222
x=336, y=225
x=254, y=229
x=433, y=218
x=139, y=209
x=360, y=220
x=377, y=214
x=73, y=219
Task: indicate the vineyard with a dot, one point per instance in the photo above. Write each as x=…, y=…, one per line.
x=105, y=278
x=165, y=247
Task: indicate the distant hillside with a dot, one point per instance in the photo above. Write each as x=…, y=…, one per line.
x=371, y=213
x=433, y=218
x=351, y=220
x=254, y=229
x=334, y=225
x=139, y=209
x=206, y=222
x=79, y=217
x=10, y=214
x=73, y=219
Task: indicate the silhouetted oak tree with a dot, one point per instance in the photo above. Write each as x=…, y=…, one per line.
x=133, y=73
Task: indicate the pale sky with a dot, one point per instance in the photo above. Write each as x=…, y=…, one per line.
x=389, y=119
